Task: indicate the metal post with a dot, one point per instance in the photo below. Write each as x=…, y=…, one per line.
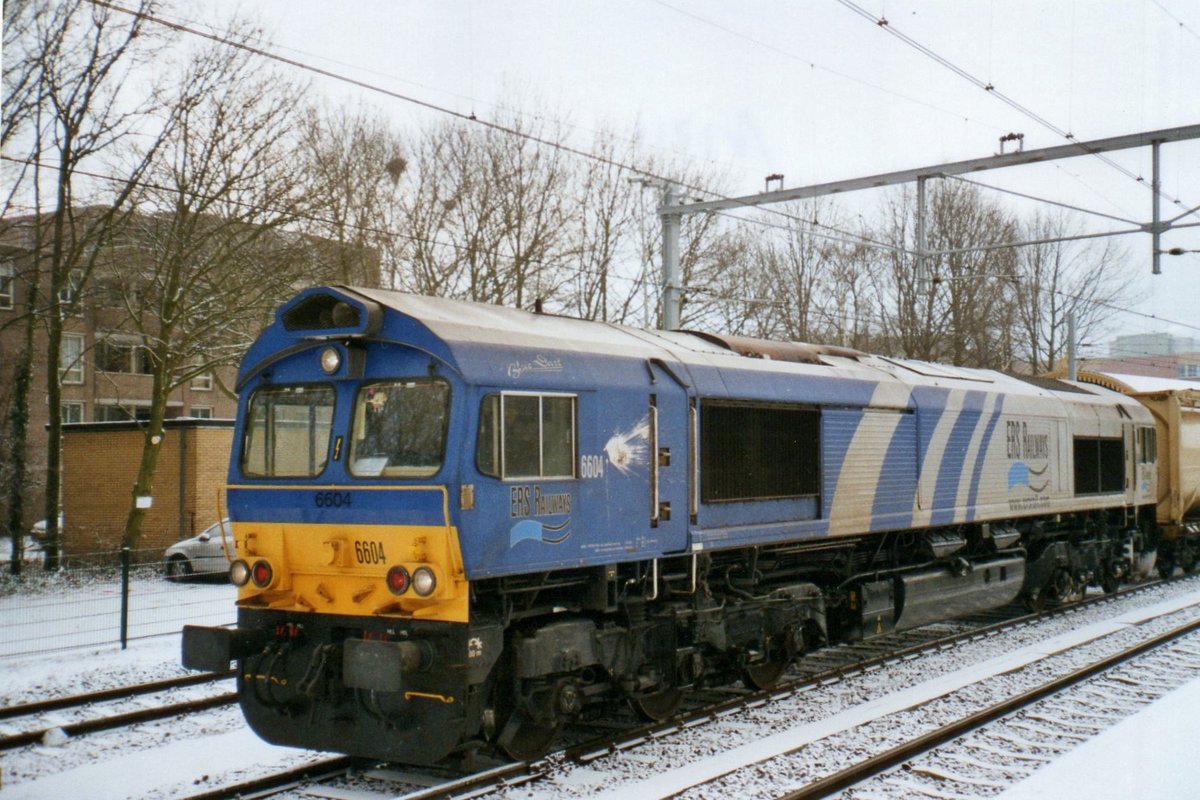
x=1072, y=364
x=922, y=265
x=124, y=596
x=672, y=275
x=1156, y=224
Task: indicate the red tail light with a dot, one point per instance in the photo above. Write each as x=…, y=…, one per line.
x=261, y=574
x=397, y=580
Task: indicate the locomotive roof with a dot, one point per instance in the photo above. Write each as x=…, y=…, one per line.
x=467, y=335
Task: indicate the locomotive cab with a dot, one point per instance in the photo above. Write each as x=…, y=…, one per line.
x=352, y=600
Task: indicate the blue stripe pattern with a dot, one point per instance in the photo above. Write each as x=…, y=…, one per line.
x=897, y=485
x=977, y=473
x=838, y=427
x=949, y=471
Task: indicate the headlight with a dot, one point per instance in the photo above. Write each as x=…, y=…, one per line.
x=331, y=360
x=423, y=581
x=239, y=573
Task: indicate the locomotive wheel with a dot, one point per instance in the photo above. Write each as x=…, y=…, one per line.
x=658, y=706
x=525, y=739
x=1035, y=601
x=765, y=674
x=1062, y=589
x=1110, y=583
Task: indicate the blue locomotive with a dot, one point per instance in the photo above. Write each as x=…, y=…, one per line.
x=459, y=526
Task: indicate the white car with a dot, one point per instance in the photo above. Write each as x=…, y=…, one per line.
x=38, y=531
x=203, y=554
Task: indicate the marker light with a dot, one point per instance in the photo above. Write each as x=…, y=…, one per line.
x=331, y=360
x=239, y=573
x=423, y=581
x=261, y=574
x=397, y=580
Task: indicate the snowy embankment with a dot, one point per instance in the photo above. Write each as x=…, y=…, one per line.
x=1146, y=755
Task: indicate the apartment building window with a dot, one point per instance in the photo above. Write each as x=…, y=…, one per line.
x=115, y=412
x=8, y=275
x=201, y=412
x=117, y=354
x=202, y=383
x=70, y=358
x=72, y=412
x=68, y=295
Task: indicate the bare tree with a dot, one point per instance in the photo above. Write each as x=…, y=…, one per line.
x=214, y=257
x=961, y=314
x=606, y=201
x=1061, y=277
x=351, y=163
x=972, y=273
x=79, y=54
x=483, y=215
x=910, y=323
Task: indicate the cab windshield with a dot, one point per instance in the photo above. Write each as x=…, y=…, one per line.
x=287, y=431
x=400, y=428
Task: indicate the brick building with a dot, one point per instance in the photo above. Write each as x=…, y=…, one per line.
x=103, y=369
x=101, y=464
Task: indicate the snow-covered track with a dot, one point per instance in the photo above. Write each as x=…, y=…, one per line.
x=73, y=729
x=278, y=782
x=860, y=661
x=903, y=755
x=104, y=695
x=87, y=703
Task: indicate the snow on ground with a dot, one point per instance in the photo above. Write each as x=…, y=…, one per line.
x=669, y=782
x=1149, y=755
x=71, y=609
x=167, y=759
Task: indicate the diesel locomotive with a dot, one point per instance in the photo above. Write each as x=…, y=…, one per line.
x=459, y=526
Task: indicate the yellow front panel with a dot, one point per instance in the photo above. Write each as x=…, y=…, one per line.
x=342, y=569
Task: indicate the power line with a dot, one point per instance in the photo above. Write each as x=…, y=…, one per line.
x=467, y=98
x=1182, y=25
x=814, y=65
x=469, y=118
x=987, y=86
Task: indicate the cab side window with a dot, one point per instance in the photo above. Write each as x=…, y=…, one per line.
x=526, y=436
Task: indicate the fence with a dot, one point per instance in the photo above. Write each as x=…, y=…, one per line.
x=103, y=599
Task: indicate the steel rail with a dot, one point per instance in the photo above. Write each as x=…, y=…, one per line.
x=120, y=720
x=522, y=772
x=275, y=783
x=889, y=759
x=104, y=695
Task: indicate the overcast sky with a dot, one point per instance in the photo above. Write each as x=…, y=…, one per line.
x=807, y=88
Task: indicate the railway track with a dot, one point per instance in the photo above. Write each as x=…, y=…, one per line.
x=77, y=703
x=881, y=768
x=587, y=749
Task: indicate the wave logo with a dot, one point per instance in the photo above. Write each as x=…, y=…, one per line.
x=539, y=532
x=1020, y=474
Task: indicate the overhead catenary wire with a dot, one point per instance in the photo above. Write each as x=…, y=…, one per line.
x=637, y=282
x=464, y=117
x=813, y=65
x=883, y=24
